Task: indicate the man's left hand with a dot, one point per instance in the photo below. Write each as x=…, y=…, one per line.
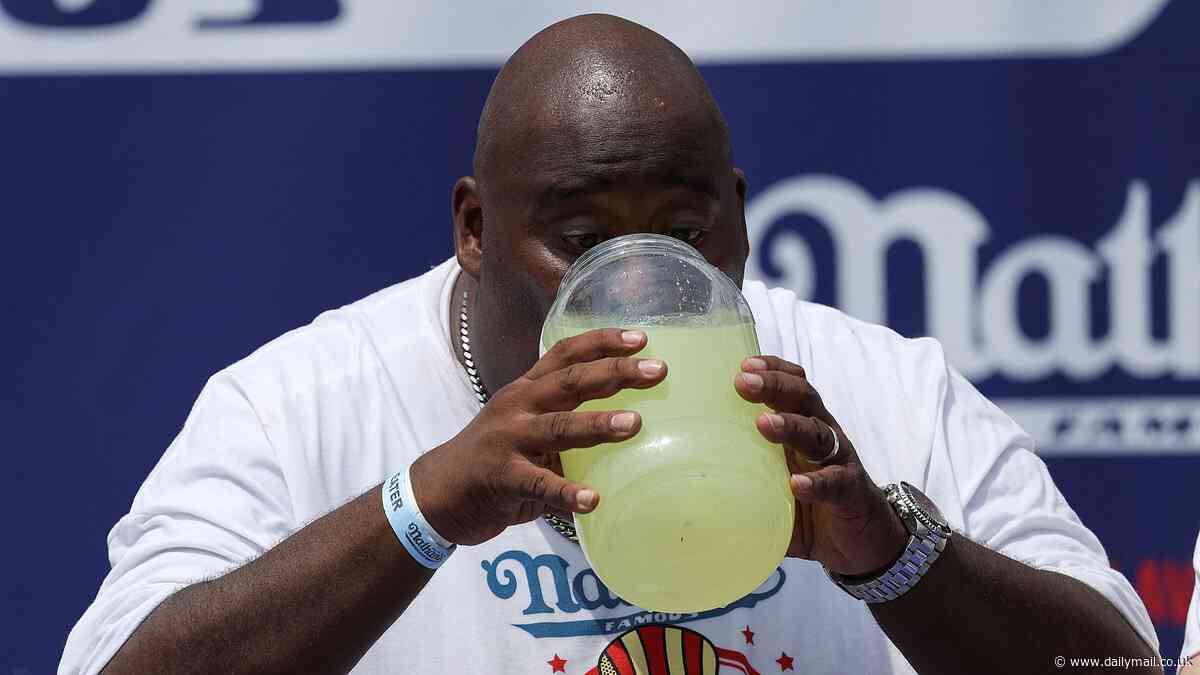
x=843, y=519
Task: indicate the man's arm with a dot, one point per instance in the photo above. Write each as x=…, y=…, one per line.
x=317, y=601
x=314, y=603
x=977, y=611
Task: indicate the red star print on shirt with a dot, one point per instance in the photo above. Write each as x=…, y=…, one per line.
x=749, y=635
x=784, y=661
x=557, y=664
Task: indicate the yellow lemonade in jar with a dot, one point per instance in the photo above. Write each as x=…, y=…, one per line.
x=695, y=510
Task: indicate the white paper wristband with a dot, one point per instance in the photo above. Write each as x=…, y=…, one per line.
x=414, y=532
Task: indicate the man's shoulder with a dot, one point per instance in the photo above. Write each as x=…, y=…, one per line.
x=346, y=340
x=825, y=332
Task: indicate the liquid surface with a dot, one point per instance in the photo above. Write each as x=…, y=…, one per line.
x=695, y=510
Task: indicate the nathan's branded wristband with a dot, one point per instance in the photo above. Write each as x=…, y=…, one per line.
x=423, y=542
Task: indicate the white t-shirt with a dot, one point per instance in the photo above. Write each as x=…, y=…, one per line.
x=325, y=412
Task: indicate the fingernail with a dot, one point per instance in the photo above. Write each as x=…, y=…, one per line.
x=585, y=498
x=753, y=382
x=801, y=482
x=633, y=338
x=755, y=363
x=650, y=367
x=623, y=421
x=775, y=421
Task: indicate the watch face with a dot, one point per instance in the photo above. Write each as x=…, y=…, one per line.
x=931, y=511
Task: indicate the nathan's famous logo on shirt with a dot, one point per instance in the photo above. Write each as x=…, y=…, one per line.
x=1141, y=276
x=516, y=575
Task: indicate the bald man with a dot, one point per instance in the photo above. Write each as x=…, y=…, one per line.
x=271, y=538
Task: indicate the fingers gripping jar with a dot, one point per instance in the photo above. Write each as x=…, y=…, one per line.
x=695, y=510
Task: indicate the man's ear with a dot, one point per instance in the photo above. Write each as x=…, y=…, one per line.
x=467, y=211
x=741, y=187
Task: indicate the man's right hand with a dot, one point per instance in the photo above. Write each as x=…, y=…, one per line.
x=497, y=471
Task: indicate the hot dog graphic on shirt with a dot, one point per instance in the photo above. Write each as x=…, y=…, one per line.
x=660, y=649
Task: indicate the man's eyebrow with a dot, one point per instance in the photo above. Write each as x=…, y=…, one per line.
x=570, y=188
x=579, y=186
x=702, y=184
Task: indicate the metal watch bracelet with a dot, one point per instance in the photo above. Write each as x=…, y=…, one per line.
x=928, y=535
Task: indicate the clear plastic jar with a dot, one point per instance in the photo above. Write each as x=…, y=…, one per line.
x=695, y=510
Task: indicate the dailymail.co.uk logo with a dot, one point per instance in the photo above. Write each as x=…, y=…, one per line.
x=974, y=312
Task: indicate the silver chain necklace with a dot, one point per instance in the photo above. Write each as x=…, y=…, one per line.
x=560, y=525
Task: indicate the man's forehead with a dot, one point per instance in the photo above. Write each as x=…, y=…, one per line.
x=559, y=171
x=612, y=143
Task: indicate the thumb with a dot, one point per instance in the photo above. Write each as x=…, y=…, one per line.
x=542, y=485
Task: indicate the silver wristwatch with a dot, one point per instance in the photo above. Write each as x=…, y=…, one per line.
x=928, y=533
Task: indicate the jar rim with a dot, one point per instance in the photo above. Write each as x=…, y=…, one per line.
x=612, y=248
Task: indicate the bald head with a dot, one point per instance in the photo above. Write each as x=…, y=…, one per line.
x=595, y=78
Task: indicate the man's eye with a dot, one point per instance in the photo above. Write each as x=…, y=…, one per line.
x=688, y=235
x=583, y=241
